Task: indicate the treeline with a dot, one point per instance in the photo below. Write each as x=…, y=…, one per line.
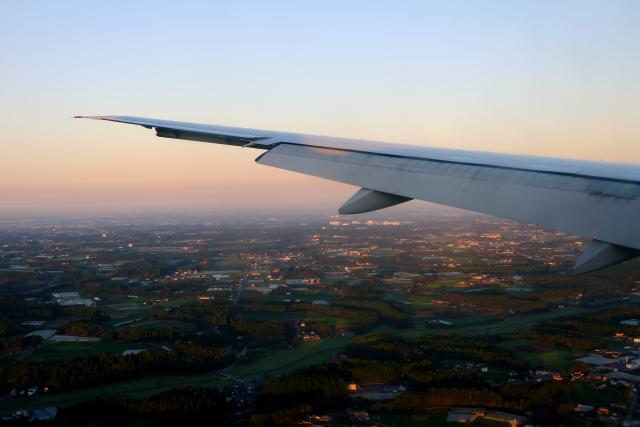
x=360, y=313
x=227, y=316
x=582, y=332
x=203, y=313
x=188, y=406
x=557, y=338
x=260, y=333
x=262, y=307
x=18, y=343
x=105, y=368
x=423, y=362
x=144, y=268
x=434, y=347
x=432, y=366
x=386, y=311
x=291, y=415
x=323, y=329
x=12, y=333
x=92, y=328
x=519, y=398
x=591, y=286
x=15, y=311
x=359, y=320
x=319, y=385
x=495, y=303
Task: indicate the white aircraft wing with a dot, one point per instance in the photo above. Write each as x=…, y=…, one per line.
x=593, y=199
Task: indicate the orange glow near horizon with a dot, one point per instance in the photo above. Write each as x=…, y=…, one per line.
x=555, y=79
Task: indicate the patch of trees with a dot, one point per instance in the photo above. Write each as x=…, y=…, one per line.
x=17, y=310
x=374, y=371
x=509, y=397
x=259, y=333
x=138, y=334
x=203, y=313
x=582, y=332
x=320, y=328
x=289, y=416
x=225, y=315
x=18, y=343
x=591, y=286
x=320, y=385
x=557, y=338
x=261, y=307
x=392, y=347
x=188, y=406
x=423, y=362
x=495, y=303
x=105, y=368
x=95, y=328
x=9, y=328
x=423, y=379
x=84, y=328
x=386, y=311
x=358, y=319
x=147, y=268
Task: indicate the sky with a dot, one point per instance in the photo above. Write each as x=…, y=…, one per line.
x=555, y=78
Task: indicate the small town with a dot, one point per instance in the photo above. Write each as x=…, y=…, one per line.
x=375, y=321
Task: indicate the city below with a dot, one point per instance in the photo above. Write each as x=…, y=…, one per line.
x=396, y=320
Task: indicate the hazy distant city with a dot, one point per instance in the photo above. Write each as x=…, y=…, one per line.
x=389, y=320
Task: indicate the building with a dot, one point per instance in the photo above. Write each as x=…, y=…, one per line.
x=310, y=337
x=72, y=298
x=45, y=334
x=133, y=352
x=379, y=391
x=464, y=415
x=597, y=360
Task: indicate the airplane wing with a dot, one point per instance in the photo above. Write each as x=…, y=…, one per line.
x=592, y=199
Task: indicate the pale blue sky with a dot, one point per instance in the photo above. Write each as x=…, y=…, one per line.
x=538, y=77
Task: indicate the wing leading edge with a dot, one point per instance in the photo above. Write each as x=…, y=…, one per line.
x=597, y=200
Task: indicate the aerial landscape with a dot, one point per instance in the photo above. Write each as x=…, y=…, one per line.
x=337, y=213
x=370, y=321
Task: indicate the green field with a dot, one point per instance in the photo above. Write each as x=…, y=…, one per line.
x=284, y=361
x=514, y=344
x=515, y=323
x=557, y=360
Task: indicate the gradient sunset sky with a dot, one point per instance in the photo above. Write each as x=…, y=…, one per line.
x=558, y=78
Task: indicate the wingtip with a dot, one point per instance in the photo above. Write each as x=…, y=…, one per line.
x=91, y=117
